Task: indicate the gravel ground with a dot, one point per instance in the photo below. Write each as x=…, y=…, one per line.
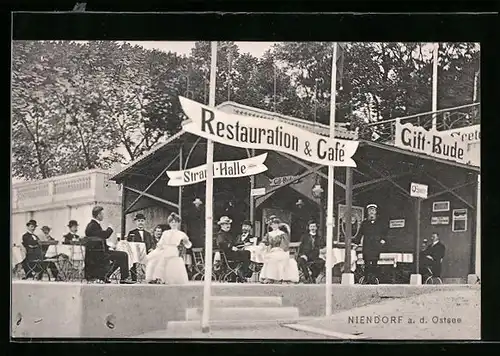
x=439, y=315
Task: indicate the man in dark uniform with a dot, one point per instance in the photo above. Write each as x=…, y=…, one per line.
x=139, y=235
x=373, y=231
x=431, y=257
x=34, y=253
x=71, y=235
x=310, y=246
x=98, y=254
x=224, y=241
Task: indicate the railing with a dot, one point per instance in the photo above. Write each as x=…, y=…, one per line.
x=446, y=119
x=66, y=189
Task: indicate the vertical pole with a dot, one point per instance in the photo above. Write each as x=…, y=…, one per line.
x=124, y=212
x=274, y=88
x=331, y=193
x=477, y=266
x=229, y=82
x=180, y=187
x=417, y=254
x=209, y=194
x=347, y=218
x=476, y=82
x=252, y=200
x=434, y=85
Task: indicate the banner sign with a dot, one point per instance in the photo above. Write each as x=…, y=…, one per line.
x=264, y=134
x=281, y=180
x=432, y=143
x=228, y=169
x=468, y=134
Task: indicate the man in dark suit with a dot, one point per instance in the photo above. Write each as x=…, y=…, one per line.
x=224, y=241
x=431, y=257
x=310, y=246
x=246, y=237
x=35, y=255
x=98, y=252
x=139, y=235
x=373, y=231
x=71, y=235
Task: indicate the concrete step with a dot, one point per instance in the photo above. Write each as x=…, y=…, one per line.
x=245, y=313
x=237, y=301
x=194, y=326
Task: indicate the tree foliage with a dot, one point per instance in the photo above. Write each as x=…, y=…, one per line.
x=78, y=106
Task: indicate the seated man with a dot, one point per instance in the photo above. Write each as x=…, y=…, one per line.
x=33, y=262
x=100, y=253
x=431, y=257
x=224, y=242
x=310, y=246
x=139, y=234
x=71, y=236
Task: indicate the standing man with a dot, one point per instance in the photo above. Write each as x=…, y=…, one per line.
x=373, y=231
x=310, y=246
x=431, y=257
x=101, y=253
x=139, y=235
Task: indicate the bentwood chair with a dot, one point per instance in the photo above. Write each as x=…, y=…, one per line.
x=199, y=265
x=231, y=270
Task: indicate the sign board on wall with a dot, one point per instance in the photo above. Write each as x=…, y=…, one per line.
x=277, y=181
x=438, y=206
x=419, y=190
x=459, y=220
x=432, y=143
x=440, y=220
x=257, y=192
x=396, y=223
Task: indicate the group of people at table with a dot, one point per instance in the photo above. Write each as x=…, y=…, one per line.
x=165, y=264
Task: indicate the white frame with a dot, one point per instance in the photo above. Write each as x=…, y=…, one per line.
x=393, y=221
x=453, y=220
x=434, y=210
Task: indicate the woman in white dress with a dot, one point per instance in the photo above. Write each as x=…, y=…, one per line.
x=164, y=265
x=278, y=266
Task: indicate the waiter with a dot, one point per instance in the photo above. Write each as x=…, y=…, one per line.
x=373, y=231
x=139, y=235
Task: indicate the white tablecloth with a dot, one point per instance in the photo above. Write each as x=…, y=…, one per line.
x=18, y=255
x=257, y=253
x=136, y=251
x=74, y=252
x=338, y=255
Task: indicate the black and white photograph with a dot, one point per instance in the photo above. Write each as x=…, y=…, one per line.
x=204, y=189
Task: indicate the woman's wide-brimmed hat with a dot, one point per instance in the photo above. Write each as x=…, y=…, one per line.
x=224, y=220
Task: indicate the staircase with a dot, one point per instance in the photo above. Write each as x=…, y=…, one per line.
x=235, y=311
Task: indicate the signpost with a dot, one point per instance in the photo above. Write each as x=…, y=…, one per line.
x=209, y=194
x=418, y=191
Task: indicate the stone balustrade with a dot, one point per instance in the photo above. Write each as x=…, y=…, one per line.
x=91, y=185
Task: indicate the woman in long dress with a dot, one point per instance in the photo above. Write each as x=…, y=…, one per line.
x=278, y=266
x=164, y=265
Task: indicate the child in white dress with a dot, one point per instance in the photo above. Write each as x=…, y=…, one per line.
x=164, y=265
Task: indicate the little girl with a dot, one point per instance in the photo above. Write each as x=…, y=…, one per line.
x=163, y=265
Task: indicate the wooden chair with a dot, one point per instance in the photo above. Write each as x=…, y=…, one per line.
x=199, y=265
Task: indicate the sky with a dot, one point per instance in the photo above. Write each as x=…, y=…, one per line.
x=256, y=49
